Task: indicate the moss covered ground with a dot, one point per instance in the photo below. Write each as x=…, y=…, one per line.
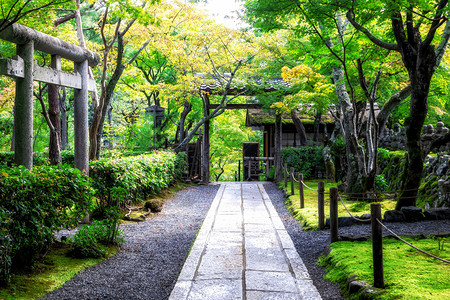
x=49, y=273
x=408, y=274
x=308, y=216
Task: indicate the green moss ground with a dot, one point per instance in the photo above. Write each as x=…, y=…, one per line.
x=50, y=273
x=408, y=274
x=308, y=216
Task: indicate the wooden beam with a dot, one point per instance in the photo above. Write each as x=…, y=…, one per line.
x=237, y=106
x=15, y=68
x=20, y=35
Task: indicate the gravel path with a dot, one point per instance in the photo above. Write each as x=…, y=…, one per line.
x=148, y=265
x=310, y=245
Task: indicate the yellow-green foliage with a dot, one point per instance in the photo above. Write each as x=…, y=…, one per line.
x=408, y=274
x=308, y=215
x=48, y=275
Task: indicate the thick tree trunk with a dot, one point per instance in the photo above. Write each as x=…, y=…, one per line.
x=414, y=124
x=277, y=153
x=354, y=152
x=303, y=141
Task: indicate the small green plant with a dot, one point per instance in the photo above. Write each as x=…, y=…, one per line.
x=89, y=239
x=381, y=184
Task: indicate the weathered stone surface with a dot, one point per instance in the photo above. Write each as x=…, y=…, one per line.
x=394, y=216
x=356, y=286
x=342, y=222
x=441, y=213
x=357, y=237
x=412, y=213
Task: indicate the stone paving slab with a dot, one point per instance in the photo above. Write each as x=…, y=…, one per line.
x=243, y=251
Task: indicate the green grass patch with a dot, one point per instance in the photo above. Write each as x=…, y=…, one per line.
x=308, y=216
x=49, y=273
x=408, y=274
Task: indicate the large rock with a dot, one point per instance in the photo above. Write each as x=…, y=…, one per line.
x=342, y=222
x=412, y=213
x=441, y=213
x=394, y=216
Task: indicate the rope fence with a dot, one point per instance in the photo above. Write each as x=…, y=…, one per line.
x=411, y=245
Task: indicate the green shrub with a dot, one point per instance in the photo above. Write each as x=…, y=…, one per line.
x=131, y=179
x=87, y=241
x=306, y=160
x=35, y=203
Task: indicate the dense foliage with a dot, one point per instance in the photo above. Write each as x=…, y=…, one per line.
x=305, y=160
x=33, y=204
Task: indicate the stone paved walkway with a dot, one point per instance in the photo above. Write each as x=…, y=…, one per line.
x=243, y=251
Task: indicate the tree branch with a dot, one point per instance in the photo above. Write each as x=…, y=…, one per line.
x=375, y=40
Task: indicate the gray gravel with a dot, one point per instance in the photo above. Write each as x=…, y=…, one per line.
x=148, y=265
x=310, y=245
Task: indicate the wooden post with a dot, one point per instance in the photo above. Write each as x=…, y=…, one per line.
x=377, y=245
x=239, y=171
x=23, y=111
x=206, y=143
x=321, y=204
x=292, y=181
x=334, y=235
x=267, y=169
x=285, y=175
x=81, y=144
x=300, y=190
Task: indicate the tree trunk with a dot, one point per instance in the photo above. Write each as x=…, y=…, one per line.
x=64, y=120
x=354, y=152
x=54, y=149
x=277, y=152
x=414, y=124
x=186, y=110
x=299, y=127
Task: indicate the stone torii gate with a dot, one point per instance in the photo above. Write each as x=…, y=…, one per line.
x=25, y=70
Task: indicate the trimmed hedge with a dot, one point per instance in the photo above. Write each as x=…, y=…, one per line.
x=33, y=204
x=130, y=179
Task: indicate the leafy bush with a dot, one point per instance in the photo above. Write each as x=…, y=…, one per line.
x=87, y=241
x=35, y=203
x=130, y=179
x=306, y=160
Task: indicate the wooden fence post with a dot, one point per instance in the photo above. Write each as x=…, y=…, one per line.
x=292, y=181
x=334, y=214
x=321, y=204
x=239, y=171
x=267, y=170
x=300, y=190
x=377, y=245
x=285, y=175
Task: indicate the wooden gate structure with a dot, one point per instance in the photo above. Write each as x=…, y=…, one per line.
x=25, y=70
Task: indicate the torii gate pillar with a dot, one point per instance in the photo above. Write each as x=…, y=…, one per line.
x=81, y=130
x=23, y=114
